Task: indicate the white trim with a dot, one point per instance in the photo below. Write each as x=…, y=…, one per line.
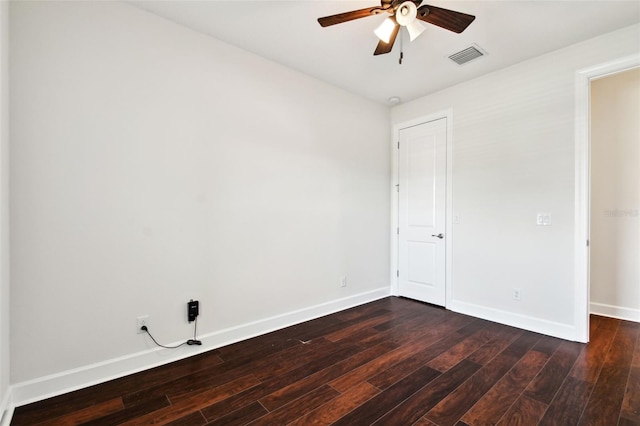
x=581, y=208
x=67, y=381
x=449, y=212
x=619, y=312
x=582, y=175
x=395, y=180
x=448, y=115
x=6, y=408
x=537, y=325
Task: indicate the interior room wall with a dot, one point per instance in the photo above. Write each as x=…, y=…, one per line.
x=4, y=208
x=615, y=195
x=152, y=164
x=513, y=157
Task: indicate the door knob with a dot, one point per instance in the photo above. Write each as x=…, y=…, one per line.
x=440, y=235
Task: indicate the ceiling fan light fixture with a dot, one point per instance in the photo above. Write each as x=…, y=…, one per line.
x=406, y=16
x=385, y=30
x=415, y=29
x=406, y=13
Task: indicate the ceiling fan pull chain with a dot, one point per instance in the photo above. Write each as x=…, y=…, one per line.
x=401, y=48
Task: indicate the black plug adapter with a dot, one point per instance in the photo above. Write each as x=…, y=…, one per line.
x=193, y=310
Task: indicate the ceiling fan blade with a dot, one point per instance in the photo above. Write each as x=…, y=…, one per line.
x=348, y=16
x=383, y=47
x=445, y=18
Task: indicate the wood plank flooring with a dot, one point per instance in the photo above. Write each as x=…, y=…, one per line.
x=390, y=362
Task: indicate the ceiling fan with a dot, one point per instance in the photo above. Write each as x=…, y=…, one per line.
x=403, y=14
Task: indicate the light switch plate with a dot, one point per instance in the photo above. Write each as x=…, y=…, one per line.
x=543, y=219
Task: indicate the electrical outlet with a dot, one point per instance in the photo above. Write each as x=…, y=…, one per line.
x=517, y=294
x=140, y=321
x=343, y=281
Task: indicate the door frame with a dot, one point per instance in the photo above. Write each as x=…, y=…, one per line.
x=583, y=78
x=395, y=178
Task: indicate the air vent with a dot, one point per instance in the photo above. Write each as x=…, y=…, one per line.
x=469, y=54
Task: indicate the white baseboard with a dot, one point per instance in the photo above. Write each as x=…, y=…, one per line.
x=538, y=325
x=612, y=311
x=67, y=381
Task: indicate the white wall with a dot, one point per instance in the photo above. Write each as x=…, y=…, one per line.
x=152, y=164
x=513, y=157
x=4, y=206
x=615, y=195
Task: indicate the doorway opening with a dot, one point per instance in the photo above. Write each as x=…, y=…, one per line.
x=582, y=263
x=614, y=273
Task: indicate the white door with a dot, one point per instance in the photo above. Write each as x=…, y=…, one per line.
x=421, y=211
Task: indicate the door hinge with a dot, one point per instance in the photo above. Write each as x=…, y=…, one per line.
x=398, y=231
x=397, y=273
x=397, y=187
x=587, y=243
x=398, y=144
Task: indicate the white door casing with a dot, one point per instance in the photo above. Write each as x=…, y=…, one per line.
x=422, y=174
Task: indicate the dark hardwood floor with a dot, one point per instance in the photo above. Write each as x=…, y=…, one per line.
x=390, y=362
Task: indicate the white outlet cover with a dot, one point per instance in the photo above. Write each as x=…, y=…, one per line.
x=140, y=321
x=517, y=294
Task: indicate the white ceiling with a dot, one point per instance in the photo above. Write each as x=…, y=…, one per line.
x=287, y=32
